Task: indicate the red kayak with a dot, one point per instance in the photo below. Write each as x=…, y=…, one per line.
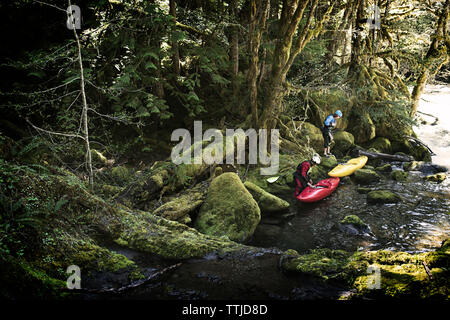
x=326, y=187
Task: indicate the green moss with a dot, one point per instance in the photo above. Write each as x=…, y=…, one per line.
x=402, y=275
x=438, y=177
x=381, y=144
x=21, y=280
x=366, y=176
x=363, y=190
x=267, y=202
x=353, y=219
x=183, y=204
x=309, y=134
x=362, y=127
x=344, y=141
x=399, y=175
x=169, y=239
x=328, y=163
x=382, y=196
x=325, y=264
x=122, y=175
x=229, y=209
x=384, y=168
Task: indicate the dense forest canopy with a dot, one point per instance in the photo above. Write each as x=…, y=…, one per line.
x=149, y=64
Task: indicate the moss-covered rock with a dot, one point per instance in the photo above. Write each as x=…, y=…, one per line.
x=403, y=275
x=268, y=203
x=353, y=225
x=399, y=175
x=310, y=134
x=353, y=219
x=382, y=196
x=366, y=176
x=411, y=166
x=325, y=264
x=438, y=177
x=344, y=141
x=229, y=209
x=381, y=144
x=363, y=190
x=328, y=163
x=384, y=168
x=318, y=173
x=183, y=205
x=362, y=127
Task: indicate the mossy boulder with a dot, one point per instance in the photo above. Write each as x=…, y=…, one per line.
x=353, y=225
x=382, y=196
x=229, y=209
x=384, y=168
x=328, y=163
x=362, y=127
x=438, y=177
x=353, y=219
x=344, y=141
x=317, y=173
x=309, y=133
x=381, y=144
x=399, y=175
x=326, y=264
x=403, y=275
x=268, y=203
x=411, y=166
x=366, y=176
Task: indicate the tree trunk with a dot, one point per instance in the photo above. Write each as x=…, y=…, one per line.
x=437, y=55
x=285, y=52
x=355, y=60
x=176, y=53
x=84, y=116
x=234, y=40
x=385, y=156
x=258, y=16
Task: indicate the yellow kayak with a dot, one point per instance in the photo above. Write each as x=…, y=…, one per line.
x=345, y=169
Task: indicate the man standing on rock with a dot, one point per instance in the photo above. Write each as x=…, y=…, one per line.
x=328, y=124
x=301, y=176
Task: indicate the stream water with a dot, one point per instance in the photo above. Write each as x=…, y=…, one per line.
x=418, y=223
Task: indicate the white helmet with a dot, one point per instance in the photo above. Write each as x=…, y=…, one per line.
x=316, y=158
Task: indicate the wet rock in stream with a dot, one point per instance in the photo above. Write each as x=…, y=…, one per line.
x=353, y=225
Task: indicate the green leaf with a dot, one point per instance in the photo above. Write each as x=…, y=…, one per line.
x=150, y=65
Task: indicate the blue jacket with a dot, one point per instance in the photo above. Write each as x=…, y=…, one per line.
x=329, y=121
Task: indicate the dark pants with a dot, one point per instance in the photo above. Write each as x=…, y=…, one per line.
x=300, y=183
x=327, y=137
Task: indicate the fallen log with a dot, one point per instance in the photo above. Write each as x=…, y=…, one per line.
x=385, y=156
